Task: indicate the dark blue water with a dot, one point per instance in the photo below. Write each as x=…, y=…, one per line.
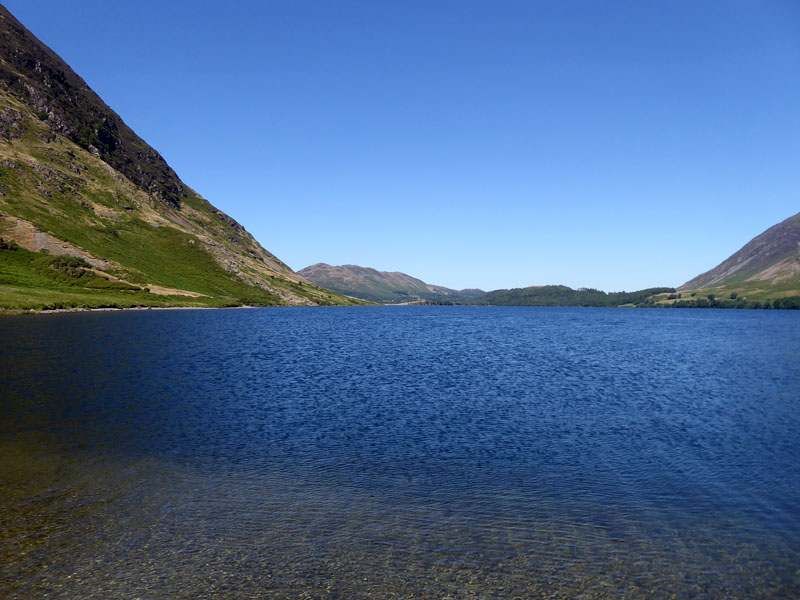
x=401, y=452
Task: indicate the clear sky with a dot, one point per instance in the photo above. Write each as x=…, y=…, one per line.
x=617, y=145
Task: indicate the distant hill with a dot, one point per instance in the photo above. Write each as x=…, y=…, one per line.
x=77, y=182
x=561, y=295
x=381, y=286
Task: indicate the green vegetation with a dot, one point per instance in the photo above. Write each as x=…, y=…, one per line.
x=561, y=295
x=743, y=295
x=76, y=272
x=36, y=281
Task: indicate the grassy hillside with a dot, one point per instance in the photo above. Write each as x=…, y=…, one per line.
x=770, y=259
x=33, y=280
x=744, y=295
x=56, y=196
x=74, y=180
x=764, y=273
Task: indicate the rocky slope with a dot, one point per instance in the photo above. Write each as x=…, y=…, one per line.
x=74, y=179
x=381, y=286
x=767, y=265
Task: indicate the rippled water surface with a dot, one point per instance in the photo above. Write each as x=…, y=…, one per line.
x=414, y=452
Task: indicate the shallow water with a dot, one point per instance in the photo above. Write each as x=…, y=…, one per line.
x=401, y=452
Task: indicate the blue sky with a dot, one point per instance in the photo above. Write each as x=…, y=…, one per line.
x=617, y=145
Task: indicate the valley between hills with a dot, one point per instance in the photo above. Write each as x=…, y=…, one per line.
x=765, y=273
x=91, y=216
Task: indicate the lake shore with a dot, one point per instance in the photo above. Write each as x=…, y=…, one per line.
x=53, y=311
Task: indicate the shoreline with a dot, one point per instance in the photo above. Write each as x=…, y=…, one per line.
x=54, y=311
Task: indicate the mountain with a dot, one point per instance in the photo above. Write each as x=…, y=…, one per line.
x=381, y=286
x=765, y=273
x=561, y=295
x=75, y=180
x=770, y=260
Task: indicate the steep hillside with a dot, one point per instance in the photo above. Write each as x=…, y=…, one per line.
x=766, y=269
x=771, y=258
x=32, y=71
x=381, y=286
x=75, y=180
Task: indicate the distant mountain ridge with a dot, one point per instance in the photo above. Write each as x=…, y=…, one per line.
x=771, y=258
x=381, y=286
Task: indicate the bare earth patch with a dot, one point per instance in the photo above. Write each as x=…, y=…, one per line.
x=165, y=291
x=29, y=237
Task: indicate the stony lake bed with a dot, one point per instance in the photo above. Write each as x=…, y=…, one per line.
x=400, y=452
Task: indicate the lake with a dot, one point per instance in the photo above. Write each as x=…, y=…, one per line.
x=400, y=452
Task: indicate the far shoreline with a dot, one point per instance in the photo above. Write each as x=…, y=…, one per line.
x=109, y=309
